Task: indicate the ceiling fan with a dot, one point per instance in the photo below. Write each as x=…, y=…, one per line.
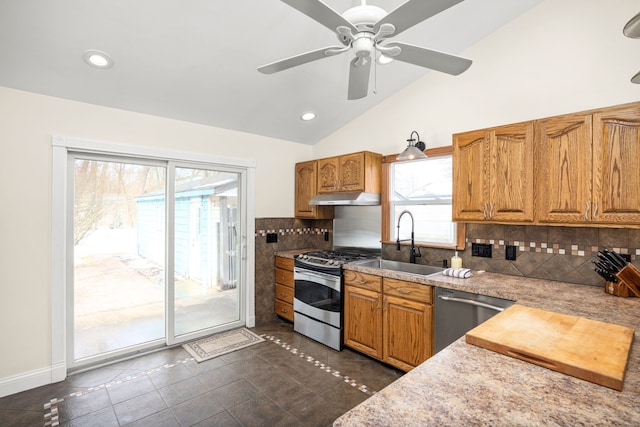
x=363, y=29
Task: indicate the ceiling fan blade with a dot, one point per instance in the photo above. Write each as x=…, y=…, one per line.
x=303, y=58
x=636, y=79
x=431, y=59
x=320, y=12
x=413, y=12
x=359, y=78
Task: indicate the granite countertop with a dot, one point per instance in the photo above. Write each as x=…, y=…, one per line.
x=465, y=385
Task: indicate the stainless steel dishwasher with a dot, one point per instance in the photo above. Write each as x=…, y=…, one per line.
x=457, y=312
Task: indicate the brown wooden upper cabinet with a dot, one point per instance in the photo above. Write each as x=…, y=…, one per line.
x=493, y=174
x=589, y=167
x=306, y=182
x=351, y=172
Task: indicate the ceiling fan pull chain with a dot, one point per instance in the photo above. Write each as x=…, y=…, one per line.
x=375, y=71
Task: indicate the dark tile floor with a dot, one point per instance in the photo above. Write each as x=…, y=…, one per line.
x=268, y=384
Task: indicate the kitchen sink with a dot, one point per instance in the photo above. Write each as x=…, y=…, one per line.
x=405, y=267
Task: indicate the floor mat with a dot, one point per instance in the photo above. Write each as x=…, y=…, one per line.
x=222, y=343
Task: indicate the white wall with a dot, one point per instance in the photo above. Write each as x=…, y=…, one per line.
x=27, y=122
x=562, y=56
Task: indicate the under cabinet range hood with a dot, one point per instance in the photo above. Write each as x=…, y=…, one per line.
x=355, y=198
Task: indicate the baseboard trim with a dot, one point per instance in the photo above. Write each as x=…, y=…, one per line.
x=32, y=379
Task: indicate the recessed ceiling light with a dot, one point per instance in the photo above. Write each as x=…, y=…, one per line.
x=308, y=116
x=97, y=59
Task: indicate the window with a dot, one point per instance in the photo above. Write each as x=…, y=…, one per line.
x=424, y=188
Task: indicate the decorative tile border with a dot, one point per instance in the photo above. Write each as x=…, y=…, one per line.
x=292, y=231
x=51, y=416
x=555, y=248
x=51, y=407
x=352, y=382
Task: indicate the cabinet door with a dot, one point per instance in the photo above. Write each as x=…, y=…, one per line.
x=363, y=321
x=352, y=172
x=407, y=332
x=616, y=165
x=563, y=193
x=470, y=176
x=306, y=187
x=328, y=175
x=511, y=173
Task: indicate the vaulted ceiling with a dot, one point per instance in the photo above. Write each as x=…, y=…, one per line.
x=196, y=60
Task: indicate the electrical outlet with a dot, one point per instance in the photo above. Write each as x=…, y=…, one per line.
x=510, y=253
x=482, y=250
x=272, y=237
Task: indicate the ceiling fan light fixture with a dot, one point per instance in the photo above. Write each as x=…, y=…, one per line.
x=414, y=150
x=384, y=59
x=97, y=59
x=308, y=116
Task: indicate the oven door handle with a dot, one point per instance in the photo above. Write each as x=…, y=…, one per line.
x=328, y=280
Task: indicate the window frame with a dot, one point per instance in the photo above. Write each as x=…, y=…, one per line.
x=387, y=161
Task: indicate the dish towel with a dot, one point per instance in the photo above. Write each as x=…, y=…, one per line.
x=458, y=272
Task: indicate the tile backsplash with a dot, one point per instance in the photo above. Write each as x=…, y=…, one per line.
x=292, y=234
x=552, y=253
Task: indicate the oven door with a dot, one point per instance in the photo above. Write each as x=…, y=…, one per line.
x=318, y=295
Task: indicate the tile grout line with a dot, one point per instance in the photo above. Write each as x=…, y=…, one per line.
x=352, y=382
x=51, y=418
x=51, y=413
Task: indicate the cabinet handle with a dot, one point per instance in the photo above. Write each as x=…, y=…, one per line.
x=484, y=211
x=595, y=211
x=491, y=210
x=404, y=291
x=586, y=214
x=362, y=282
x=284, y=310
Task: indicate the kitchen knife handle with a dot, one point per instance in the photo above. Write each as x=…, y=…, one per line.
x=586, y=213
x=595, y=211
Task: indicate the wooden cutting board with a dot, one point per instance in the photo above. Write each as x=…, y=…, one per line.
x=587, y=349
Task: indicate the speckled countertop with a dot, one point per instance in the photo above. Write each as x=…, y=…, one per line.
x=465, y=385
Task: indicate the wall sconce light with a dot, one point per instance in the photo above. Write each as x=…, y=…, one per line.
x=414, y=149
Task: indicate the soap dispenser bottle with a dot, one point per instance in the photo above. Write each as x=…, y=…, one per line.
x=456, y=261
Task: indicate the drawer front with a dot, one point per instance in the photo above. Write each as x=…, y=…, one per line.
x=284, y=263
x=363, y=280
x=414, y=291
x=284, y=293
x=284, y=277
x=284, y=310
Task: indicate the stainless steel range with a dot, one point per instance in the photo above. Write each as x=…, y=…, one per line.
x=317, y=303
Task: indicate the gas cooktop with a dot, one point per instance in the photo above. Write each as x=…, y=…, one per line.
x=333, y=259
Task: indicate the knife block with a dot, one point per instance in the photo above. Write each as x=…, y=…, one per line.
x=618, y=289
x=628, y=283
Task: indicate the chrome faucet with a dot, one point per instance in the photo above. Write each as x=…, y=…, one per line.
x=415, y=253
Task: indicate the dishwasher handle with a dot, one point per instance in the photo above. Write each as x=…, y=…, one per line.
x=470, y=302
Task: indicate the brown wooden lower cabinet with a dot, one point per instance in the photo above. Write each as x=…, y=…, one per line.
x=388, y=319
x=406, y=332
x=284, y=288
x=363, y=320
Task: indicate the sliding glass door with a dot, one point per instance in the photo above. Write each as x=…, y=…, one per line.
x=156, y=254
x=206, y=249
